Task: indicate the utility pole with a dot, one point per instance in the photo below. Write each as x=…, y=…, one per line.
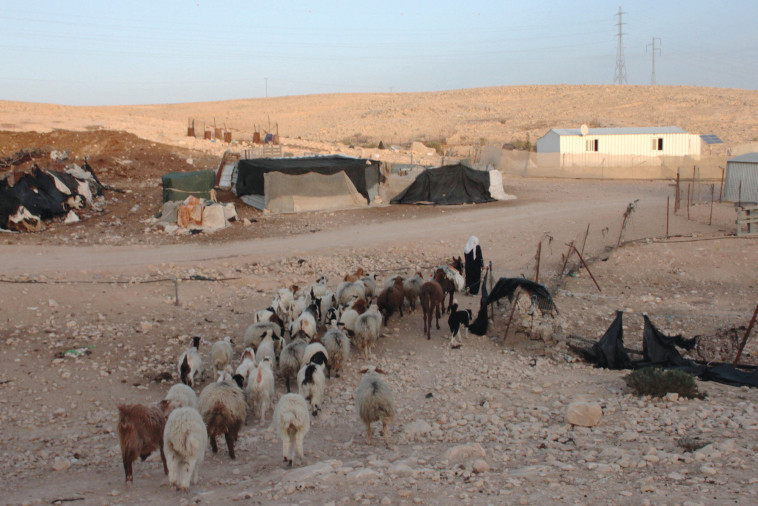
x=620, y=77
x=265, y=79
x=653, y=50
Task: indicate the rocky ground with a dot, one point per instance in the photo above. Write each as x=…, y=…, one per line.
x=484, y=424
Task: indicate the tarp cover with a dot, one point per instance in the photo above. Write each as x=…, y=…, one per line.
x=447, y=185
x=363, y=173
x=660, y=350
x=180, y=185
x=286, y=193
x=506, y=287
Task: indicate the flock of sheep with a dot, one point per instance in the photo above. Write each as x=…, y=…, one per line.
x=182, y=424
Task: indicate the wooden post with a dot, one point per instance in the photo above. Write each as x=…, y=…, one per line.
x=744, y=339
x=721, y=189
x=539, y=253
x=667, y=216
x=710, y=218
x=739, y=195
x=510, y=318
x=588, y=270
x=176, y=292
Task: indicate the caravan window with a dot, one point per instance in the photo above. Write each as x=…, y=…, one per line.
x=658, y=144
x=591, y=144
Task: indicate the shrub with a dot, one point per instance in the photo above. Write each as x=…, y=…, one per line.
x=658, y=382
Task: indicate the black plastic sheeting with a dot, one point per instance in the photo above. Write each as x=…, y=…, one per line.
x=660, y=350
x=362, y=172
x=506, y=287
x=447, y=185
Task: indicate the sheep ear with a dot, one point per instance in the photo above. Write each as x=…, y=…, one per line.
x=364, y=370
x=380, y=371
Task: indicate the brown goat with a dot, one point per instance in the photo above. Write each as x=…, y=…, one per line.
x=140, y=432
x=360, y=306
x=391, y=299
x=358, y=274
x=432, y=299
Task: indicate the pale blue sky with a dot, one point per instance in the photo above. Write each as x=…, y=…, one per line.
x=164, y=51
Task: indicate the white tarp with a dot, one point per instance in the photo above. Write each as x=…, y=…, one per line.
x=287, y=193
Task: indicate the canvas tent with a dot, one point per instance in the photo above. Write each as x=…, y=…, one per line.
x=307, y=183
x=453, y=184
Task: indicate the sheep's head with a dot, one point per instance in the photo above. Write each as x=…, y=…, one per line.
x=372, y=369
x=196, y=341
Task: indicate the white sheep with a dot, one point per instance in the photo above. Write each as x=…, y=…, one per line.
x=221, y=353
x=248, y=364
x=327, y=301
x=184, y=440
x=315, y=352
x=291, y=359
x=369, y=286
x=368, y=327
x=338, y=347
x=412, y=289
x=373, y=402
x=190, y=364
x=311, y=382
x=267, y=348
x=181, y=396
x=260, y=389
x=305, y=323
x=319, y=288
x=256, y=332
x=349, y=291
x=223, y=407
x=292, y=422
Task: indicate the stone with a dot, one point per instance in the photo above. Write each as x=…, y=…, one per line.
x=61, y=464
x=463, y=453
x=480, y=466
x=307, y=473
x=584, y=414
x=417, y=427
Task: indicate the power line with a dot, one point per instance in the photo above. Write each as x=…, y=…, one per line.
x=654, y=49
x=620, y=77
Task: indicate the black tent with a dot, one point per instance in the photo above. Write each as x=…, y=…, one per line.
x=448, y=185
x=363, y=173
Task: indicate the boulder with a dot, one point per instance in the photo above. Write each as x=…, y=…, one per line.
x=584, y=414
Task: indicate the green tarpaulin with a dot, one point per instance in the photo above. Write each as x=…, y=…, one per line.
x=180, y=185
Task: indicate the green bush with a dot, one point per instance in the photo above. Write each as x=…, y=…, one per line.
x=659, y=382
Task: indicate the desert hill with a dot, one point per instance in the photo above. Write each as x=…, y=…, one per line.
x=457, y=118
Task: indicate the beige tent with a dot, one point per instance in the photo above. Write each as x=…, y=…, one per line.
x=289, y=193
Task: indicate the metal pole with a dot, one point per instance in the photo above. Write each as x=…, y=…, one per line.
x=676, y=197
x=710, y=218
x=586, y=233
x=539, y=253
x=667, y=216
x=510, y=318
x=688, y=201
x=176, y=292
x=568, y=255
x=588, y=270
x=744, y=339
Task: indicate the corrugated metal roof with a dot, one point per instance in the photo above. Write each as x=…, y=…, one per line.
x=621, y=131
x=747, y=157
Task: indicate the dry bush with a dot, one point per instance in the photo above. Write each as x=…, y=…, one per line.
x=659, y=382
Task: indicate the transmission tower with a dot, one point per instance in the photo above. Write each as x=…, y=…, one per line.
x=620, y=63
x=653, y=50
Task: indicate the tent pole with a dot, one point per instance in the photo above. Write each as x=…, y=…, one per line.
x=510, y=318
x=744, y=339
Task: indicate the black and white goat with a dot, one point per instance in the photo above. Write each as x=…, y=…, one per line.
x=456, y=320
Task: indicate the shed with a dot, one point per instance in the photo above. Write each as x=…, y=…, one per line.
x=741, y=179
x=616, y=147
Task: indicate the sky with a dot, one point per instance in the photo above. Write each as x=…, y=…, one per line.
x=100, y=52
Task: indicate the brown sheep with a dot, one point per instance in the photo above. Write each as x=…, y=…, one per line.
x=391, y=299
x=140, y=432
x=432, y=299
x=358, y=274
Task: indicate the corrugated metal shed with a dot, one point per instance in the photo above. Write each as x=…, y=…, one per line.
x=741, y=180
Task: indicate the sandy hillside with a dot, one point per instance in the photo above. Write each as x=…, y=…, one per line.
x=458, y=118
